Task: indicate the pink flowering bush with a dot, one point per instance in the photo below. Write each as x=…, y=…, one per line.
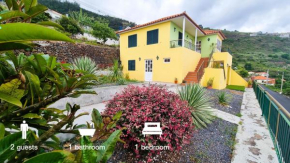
x=151, y=104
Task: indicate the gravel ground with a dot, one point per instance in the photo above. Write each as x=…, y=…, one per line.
x=234, y=106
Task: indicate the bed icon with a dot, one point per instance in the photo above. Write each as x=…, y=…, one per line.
x=152, y=128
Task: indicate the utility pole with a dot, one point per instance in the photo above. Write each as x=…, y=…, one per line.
x=267, y=77
x=282, y=83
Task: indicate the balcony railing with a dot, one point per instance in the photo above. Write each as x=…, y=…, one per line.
x=178, y=43
x=277, y=118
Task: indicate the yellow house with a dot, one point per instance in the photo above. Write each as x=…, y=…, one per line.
x=175, y=48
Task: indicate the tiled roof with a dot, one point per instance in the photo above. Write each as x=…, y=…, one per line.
x=209, y=32
x=261, y=78
x=161, y=20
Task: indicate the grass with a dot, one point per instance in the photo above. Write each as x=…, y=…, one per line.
x=239, y=115
x=236, y=87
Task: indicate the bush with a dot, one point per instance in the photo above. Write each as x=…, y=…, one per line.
x=116, y=72
x=70, y=26
x=223, y=97
x=199, y=103
x=151, y=104
x=210, y=82
x=287, y=91
x=85, y=64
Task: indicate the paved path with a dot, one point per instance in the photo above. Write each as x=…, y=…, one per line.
x=254, y=143
x=283, y=100
x=226, y=116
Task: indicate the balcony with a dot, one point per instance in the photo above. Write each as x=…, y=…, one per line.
x=187, y=44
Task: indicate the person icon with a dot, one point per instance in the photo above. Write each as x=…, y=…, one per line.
x=24, y=129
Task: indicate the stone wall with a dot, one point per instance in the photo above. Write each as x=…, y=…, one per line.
x=66, y=52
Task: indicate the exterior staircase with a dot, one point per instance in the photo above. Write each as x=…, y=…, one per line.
x=194, y=77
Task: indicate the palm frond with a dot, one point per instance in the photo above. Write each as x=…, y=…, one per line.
x=199, y=103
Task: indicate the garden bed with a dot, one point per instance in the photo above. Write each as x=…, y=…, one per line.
x=235, y=103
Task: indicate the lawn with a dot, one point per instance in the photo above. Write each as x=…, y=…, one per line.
x=236, y=87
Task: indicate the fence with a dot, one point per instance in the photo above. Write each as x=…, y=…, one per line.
x=278, y=121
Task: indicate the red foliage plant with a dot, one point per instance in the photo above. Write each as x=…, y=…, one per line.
x=151, y=103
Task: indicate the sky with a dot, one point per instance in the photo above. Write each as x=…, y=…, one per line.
x=242, y=15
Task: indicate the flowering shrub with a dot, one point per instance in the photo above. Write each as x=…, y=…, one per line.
x=151, y=104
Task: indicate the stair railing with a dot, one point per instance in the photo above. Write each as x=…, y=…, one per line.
x=200, y=71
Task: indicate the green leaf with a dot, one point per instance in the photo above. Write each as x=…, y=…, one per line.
x=12, y=14
x=10, y=99
x=88, y=156
x=41, y=63
x=32, y=115
x=117, y=116
x=29, y=32
x=2, y=131
x=34, y=11
x=15, y=5
x=51, y=62
x=11, y=45
x=5, y=145
x=11, y=88
x=82, y=114
x=34, y=83
x=28, y=4
x=9, y=3
x=51, y=24
x=97, y=118
x=58, y=156
x=104, y=155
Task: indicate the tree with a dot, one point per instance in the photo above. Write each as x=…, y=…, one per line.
x=70, y=26
x=248, y=66
x=285, y=56
x=41, y=17
x=103, y=31
x=81, y=18
x=244, y=73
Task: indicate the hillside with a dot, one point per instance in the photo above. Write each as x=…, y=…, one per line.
x=64, y=7
x=262, y=52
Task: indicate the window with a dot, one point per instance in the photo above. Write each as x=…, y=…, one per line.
x=219, y=45
x=131, y=65
x=198, y=46
x=132, y=41
x=152, y=37
x=166, y=60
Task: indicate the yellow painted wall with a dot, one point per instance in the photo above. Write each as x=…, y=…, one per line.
x=236, y=79
x=217, y=73
x=182, y=59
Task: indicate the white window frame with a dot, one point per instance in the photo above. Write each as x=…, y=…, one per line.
x=166, y=59
x=219, y=45
x=198, y=46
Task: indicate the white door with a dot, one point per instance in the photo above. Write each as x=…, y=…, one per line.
x=148, y=69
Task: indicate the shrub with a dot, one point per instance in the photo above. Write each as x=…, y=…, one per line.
x=287, y=91
x=223, y=97
x=199, y=104
x=85, y=64
x=70, y=26
x=210, y=82
x=116, y=72
x=151, y=104
x=121, y=81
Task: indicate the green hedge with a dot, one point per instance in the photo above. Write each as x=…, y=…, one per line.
x=236, y=87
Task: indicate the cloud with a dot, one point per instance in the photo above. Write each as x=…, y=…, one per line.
x=245, y=15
